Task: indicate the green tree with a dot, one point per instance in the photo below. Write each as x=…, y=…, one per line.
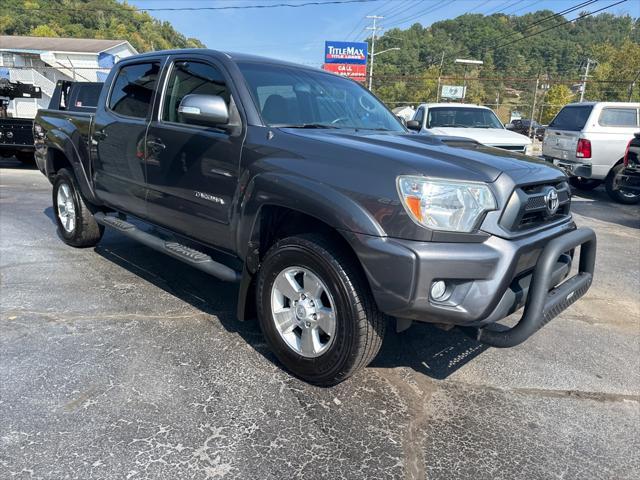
x=557, y=97
x=43, y=31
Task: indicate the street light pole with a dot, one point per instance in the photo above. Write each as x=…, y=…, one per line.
x=374, y=28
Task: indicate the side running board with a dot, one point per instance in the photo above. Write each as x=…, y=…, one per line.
x=196, y=259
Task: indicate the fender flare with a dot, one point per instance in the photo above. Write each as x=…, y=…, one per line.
x=59, y=140
x=299, y=194
x=303, y=195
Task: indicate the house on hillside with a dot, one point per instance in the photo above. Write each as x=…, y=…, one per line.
x=42, y=61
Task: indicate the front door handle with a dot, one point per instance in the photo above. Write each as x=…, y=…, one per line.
x=100, y=135
x=156, y=146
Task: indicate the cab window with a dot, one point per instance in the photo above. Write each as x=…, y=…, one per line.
x=618, y=117
x=187, y=78
x=133, y=89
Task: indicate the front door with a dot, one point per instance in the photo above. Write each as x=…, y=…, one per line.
x=119, y=136
x=192, y=170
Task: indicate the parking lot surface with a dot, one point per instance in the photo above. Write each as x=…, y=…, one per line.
x=120, y=362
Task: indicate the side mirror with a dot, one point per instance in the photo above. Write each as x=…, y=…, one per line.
x=508, y=126
x=403, y=120
x=413, y=125
x=204, y=109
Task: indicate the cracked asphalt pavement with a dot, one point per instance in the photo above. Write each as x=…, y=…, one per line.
x=120, y=362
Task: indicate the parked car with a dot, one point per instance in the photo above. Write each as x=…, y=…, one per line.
x=469, y=121
x=530, y=128
x=318, y=201
x=630, y=177
x=588, y=141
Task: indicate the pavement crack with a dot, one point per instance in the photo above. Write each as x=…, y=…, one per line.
x=554, y=393
x=53, y=316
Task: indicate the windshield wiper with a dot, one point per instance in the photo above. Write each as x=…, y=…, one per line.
x=451, y=125
x=303, y=125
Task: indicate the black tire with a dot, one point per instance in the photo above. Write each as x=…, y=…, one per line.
x=613, y=188
x=585, y=184
x=360, y=326
x=86, y=232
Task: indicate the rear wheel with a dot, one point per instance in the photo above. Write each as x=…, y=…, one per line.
x=76, y=224
x=612, y=185
x=316, y=310
x=584, y=183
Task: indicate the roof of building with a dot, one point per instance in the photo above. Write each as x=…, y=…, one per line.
x=53, y=44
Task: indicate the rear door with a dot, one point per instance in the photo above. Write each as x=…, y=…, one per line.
x=119, y=134
x=561, y=138
x=192, y=170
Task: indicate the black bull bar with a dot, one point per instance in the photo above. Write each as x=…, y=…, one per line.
x=543, y=304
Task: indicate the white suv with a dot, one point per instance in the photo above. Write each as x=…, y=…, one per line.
x=588, y=141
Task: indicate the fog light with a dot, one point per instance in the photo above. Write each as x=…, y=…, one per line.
x=438, y=290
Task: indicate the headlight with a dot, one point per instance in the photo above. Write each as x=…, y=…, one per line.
x=445, y=204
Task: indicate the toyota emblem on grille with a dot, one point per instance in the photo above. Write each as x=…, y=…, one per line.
x=551, y=201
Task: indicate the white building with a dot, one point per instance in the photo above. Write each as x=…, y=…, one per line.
x=42, y=61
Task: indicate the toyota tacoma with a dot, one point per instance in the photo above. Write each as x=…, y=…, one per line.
x=305, y=189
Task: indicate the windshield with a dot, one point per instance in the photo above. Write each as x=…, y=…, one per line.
x=464, y=117
x=295, y=97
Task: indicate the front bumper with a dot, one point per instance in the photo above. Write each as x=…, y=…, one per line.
x=488, y=281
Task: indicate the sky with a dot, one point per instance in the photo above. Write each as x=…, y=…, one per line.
x=298, y=34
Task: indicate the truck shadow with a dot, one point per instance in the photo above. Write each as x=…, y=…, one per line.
x=428, y=350
x=424, y=348
x=14, y=163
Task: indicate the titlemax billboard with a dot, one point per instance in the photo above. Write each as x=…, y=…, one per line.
x=345, y=52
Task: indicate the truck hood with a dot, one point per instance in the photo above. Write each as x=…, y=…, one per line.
x=486, y=136
x=412, y=154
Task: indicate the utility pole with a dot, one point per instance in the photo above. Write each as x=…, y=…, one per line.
x=533, y=107
x=374, y=29
x=584, y=79
x=633, y=84
x=439, y=75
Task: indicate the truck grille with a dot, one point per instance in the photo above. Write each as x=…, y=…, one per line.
x=528, y=208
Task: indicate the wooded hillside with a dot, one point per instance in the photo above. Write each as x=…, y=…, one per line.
x=90, y=19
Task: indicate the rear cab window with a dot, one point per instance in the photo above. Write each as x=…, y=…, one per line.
x=618, y=117
x=572, y=118
x=133, y=89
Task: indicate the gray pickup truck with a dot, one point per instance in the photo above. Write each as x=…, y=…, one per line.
x=304, y=188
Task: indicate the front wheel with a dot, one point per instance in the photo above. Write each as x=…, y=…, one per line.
x=612, y=185
x=76, y=224
x=316, y=310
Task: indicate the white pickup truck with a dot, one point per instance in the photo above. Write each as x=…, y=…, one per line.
x=588, y=140
x=471, y=121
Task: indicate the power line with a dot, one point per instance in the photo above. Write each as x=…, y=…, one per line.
x=549, y=17
x=561, y=24
x=184, y=9
x=413, y=5
x=421, y=14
